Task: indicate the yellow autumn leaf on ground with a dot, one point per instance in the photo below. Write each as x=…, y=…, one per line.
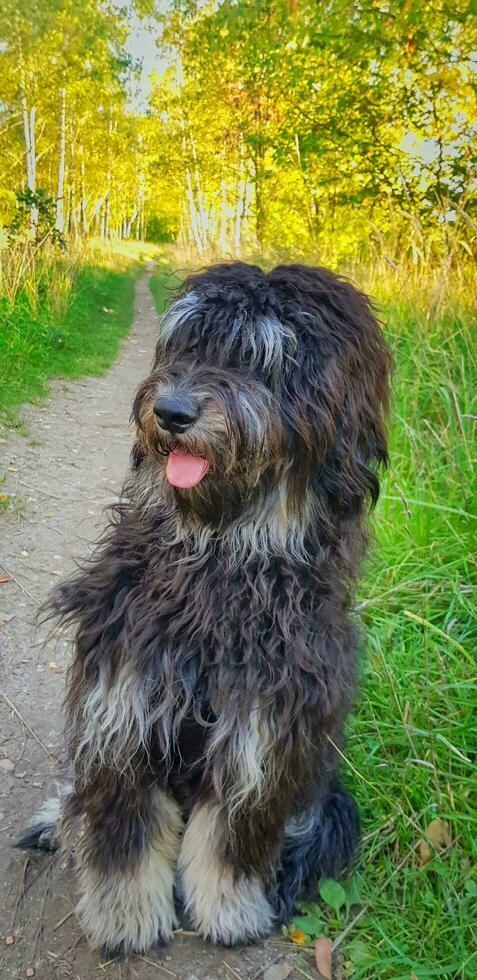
x=437, y=834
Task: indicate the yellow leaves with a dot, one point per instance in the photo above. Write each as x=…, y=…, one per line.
x=437, y=836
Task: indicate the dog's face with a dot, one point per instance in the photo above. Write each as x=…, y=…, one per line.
x=253, y=379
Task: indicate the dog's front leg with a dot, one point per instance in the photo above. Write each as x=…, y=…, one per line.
x=223, y=867
x=126, y=851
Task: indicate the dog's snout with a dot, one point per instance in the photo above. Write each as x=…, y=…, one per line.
x=176, y=412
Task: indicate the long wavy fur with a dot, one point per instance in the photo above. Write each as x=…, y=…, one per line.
x=215, y=650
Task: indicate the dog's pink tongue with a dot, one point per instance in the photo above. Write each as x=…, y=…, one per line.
x=185, y=470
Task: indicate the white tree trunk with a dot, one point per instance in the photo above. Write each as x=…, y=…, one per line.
x=194, y=223
x=60, y=208
x=223, y=218
x=239, y=208
x=83, y=215
x=131, y=221
x=30, y=156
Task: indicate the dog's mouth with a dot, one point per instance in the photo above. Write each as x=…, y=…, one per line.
x=184, y=470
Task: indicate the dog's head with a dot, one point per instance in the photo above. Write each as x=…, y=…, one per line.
x=266, y=397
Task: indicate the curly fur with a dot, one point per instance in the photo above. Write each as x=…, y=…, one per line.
x=215, y=651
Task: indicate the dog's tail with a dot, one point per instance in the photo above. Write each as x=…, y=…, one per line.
x=43, y=833
x=320, y=843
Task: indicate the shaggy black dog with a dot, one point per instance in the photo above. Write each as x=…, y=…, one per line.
x=215, y=654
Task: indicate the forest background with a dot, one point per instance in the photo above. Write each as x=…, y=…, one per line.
x=340, y=133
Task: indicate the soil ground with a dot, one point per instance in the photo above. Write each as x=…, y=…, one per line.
x=68, y=467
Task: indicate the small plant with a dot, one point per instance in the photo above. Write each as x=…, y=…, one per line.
x=35, y=217
x=315, y=919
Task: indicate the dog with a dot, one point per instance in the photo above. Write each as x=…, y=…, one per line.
x=216, y=651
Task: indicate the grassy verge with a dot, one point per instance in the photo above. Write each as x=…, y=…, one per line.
x=163, y=283
x=409, y=911
x=69, y=323
x=413, y=739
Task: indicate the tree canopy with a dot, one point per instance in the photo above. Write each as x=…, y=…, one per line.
x=282, y=124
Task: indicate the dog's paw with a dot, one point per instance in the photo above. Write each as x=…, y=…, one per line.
x=230, y=911
x=121, y=950
x=42, y=834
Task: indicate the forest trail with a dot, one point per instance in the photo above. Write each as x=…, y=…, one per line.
x=70, y=465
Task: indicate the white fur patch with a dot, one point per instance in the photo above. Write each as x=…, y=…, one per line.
x=47, y=821
x=115, y=721
x=178, y=311
x=247, y=746
x=48, y=814
x=223, y=907
x=135, y=908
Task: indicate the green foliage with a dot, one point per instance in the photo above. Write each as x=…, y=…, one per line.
x=338, y=127
x=333, y=894
x=297, y=125
x=28, y=201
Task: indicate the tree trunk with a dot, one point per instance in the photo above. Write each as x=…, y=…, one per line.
x=130, y=222
x=83, y=215
x=258, y=179
x=239, y=207
x=194, y=223
x=71, y=222
x=60, y=212
x=223, y=218
x=29, y=136
x=30, y=156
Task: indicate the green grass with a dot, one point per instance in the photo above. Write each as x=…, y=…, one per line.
x=81, y=336
x=164, y=283
x=413, y=738
x=412, y=743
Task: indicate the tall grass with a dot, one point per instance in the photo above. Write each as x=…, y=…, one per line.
x=413, y=739
x=61, y=314
x=411, y=751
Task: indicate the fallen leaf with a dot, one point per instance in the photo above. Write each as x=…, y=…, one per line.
x=54, y=666
x=7, y=765
x=425, y=852
x=323, y=951
x=4, y=618
x=5, y=578
x=438, y=834
x=297, y=936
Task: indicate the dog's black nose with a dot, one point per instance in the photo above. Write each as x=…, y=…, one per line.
x=176, y=412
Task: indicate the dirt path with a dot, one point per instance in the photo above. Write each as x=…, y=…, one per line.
x=64, y=472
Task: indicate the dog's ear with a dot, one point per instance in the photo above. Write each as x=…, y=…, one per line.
x=348, y=473
x=336, y=395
